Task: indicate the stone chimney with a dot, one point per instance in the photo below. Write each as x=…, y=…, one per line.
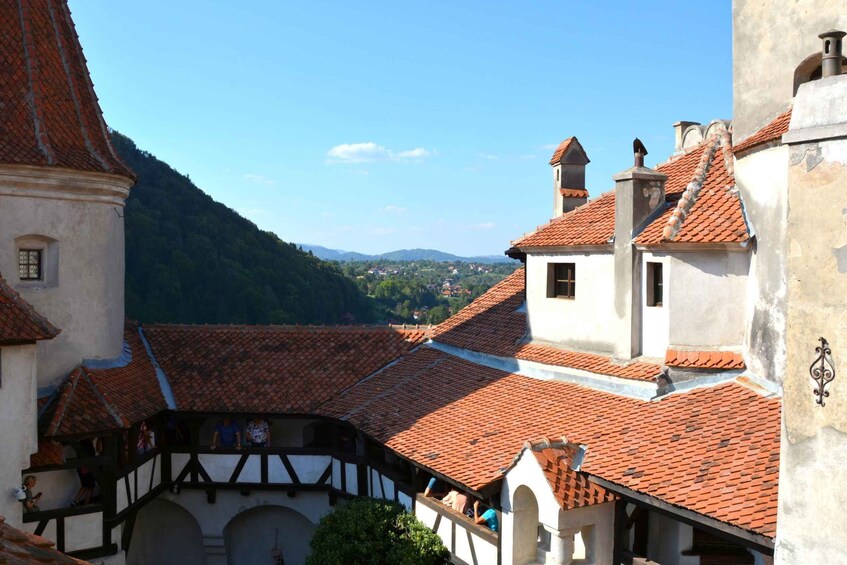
x=678, y=133
x=568, y=164
x=831, y=53
x=639, y=198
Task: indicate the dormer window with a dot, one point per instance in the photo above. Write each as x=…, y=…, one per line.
x=561, y=280
x=30, y=264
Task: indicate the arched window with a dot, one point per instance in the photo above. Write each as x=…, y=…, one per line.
x=812, y=69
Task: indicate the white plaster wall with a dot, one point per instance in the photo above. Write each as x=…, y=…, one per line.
x=58, y=487
x=655, y=319
x=708, y=296
x=668, y=539
x=87, y=302
x=84, y=531
x=18, y=427
x=584, y=322
x=527, y=473
x=251, y=536
x=165, y=533
x=762, y=178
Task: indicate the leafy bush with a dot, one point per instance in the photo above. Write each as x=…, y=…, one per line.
x=376, y=532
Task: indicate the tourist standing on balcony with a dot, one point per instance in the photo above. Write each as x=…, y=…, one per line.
x=227, y=433
x=258, y=432
x=489, y=517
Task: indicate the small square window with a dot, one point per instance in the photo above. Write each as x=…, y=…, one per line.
x=29, y=264
x=561, y=280
x=655, y=284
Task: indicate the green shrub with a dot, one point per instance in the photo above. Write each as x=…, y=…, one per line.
x=371, y=531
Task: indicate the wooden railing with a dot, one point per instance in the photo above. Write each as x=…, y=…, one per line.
x=469, y=543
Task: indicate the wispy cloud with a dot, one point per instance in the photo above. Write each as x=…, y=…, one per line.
x=370, y=152
x=481, y=226
x=548, y=146
x=377, y=230
x=392, y=210
x=488, y=156
x=259, y=179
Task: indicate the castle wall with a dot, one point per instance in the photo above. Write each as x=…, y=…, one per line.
x=77, y=221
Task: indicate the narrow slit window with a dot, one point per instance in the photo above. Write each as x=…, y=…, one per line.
x=561, y=280
x=29, y=264
x=655, y=284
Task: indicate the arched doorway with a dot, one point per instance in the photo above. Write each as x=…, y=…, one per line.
x=252, y=535
x=525, y=537
x=165, y=533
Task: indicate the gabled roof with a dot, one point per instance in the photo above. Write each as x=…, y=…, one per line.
x=96, y=399
x=50, y=114
x=273, y=369
x=571, y=143
x=772, y=132
x=19, y=322
x=710, y=213
x=571, y=488
x=22, y=548
x=495, y=324
x=713, y=450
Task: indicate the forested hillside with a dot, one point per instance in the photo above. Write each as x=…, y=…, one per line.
x=190, y=259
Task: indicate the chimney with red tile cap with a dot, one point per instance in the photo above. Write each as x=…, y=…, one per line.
x=568, y=164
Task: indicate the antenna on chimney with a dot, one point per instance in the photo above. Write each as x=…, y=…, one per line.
x=640, y=151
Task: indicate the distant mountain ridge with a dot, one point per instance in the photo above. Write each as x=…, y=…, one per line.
x=400, y=255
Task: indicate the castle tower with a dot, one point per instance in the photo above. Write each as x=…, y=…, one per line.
x=62, y=188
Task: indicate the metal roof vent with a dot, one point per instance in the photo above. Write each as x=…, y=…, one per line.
x=831, y=53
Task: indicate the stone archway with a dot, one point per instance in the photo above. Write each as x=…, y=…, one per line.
x=525, y=536
x=165, y=533
x=251, y=535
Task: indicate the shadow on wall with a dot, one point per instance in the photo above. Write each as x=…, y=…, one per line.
x=165, y=533
x=253, y=535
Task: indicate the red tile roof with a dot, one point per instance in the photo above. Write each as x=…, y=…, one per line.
x=590, y=224
x=573, y=192
x=704, y=359
x=271, y=369
x=771, y=132
x=570, y=488
x=709, y=209
x=50, y=115
x=19, y=322
x=714, y=450
x=22, y=548
x=95, y=400
x=49, y=453
x=710, y=214
x=561, y=150
x=492, y=324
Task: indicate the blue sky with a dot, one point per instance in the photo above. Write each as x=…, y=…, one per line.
x=374, y=126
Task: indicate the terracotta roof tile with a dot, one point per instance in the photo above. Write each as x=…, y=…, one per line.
x=22, y=548
x=714, y=450
x=95, y=400
x=493, y=324
x=50, y=115
x=709, y=209
x=571, y=489
x=49, y=453
x=561, y=150
x=711, y=214
x=771, y=132
x=685, y=359
x=19, y=322
x=573, y=192
x=271, y=368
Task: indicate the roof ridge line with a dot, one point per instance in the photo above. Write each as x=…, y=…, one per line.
x=692, y=191
x=66, y=394
x=164, y=382
x=119, y=419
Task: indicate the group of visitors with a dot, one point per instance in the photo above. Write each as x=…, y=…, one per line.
x=461, y=503
x=228, y=433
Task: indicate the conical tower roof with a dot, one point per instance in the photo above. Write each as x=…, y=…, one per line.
x=49, y=114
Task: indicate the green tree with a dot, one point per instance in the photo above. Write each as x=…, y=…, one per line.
x=368, y=531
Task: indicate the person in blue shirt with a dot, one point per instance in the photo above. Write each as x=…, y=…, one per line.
x=227, y=433
x=489, y=517
x=435, y=488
